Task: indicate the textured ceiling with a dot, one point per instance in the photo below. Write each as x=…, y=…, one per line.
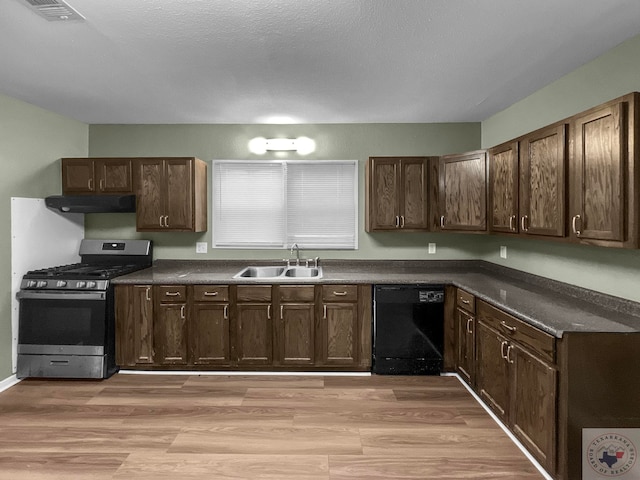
x=300, y=61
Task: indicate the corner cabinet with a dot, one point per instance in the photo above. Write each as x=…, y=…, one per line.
x=463, y=192
x=171, y=194
x=465, y=326
x=603, y=202
x=397, y=194
x=96, y=176
x=134, y=325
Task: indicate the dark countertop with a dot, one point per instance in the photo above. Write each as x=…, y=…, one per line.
x=552, y=306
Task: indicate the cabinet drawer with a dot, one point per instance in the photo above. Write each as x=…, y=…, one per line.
x=300, y=293
x=172, y=293
x=540, y=342
x=254, y=293
x=210, y=293
x=466, y=301
x=340, y=293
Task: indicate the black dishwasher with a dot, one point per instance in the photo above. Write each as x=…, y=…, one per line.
x=408, y=329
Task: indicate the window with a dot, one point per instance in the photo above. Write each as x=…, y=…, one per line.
x=276, y=203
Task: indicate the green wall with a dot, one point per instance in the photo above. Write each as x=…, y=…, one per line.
x=31, y=141
x=607, y=270
x=333, y=142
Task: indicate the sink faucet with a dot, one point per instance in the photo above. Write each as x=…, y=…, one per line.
x=297, y=249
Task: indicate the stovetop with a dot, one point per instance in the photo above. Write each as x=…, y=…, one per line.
x=76, y=276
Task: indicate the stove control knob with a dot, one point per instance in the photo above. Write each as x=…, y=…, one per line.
x=31, y=283
x=81, y=284
x=91, y=284
x=41, y=283
x=61, y=283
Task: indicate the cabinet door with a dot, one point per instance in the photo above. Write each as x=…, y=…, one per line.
x=254, y=335
x=414, y=213
x=149, y=184
x=463, y=192
x=134, y=325
x=598, y=174
x=296, y=337
x=503, y=188
x=179, y=194
x=113, y=176
x=209, y=334
x=465, y=358
x=339, y=327
x=171, y=334
x=78, y=176
x=542, y=182
x=383, y=194
x=492, y=377
x=533, y=408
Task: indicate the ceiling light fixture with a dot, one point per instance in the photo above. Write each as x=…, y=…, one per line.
x=302, y=145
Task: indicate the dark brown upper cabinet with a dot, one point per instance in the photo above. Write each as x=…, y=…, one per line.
x=463, y=191
x=603, y=201
x=397, y=194
x=543, y=164
x=503, y=188
x=96, y=176
x=171, y=194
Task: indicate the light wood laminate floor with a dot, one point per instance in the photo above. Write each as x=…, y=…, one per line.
x=252, y=427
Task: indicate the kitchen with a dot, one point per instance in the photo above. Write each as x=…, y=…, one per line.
x=32, y=169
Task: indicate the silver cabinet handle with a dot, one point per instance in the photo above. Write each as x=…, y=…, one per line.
x=574, y=220
x=90, y=184
x=210, y=294
x=268, y=312
x=401, y=221
x=507, y=326
x=324, y=312
x=441, y=221
x=160, y=220
x=172, y=294
x=182, y=312
x=281, y=312
x=523, y=222
x=148, y=298
x=225, y=312
x=503, y=344
x=397, y=221
x=508, y=356
x=469, y=321
x=102, y=184
x=466, y=302
x=339, y=294
x=166, y=221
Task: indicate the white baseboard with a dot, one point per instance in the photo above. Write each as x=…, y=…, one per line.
x=513, y=438
x=8, y=382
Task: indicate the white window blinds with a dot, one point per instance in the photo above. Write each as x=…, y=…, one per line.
x=274, y=204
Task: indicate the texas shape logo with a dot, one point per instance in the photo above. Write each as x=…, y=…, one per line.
x=611, y=455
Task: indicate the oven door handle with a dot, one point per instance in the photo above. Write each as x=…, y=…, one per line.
x=34, y=295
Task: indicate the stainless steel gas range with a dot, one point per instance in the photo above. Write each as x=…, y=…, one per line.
x=66, y=325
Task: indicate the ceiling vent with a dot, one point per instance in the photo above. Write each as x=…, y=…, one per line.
x=54, y=10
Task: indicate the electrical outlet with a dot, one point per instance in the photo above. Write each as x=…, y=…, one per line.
x=201, y=247
x=503, y=251
x=432, y=248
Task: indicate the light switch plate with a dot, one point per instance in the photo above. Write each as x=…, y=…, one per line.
x=432, y=248
x=503, y=251
x=201, y=247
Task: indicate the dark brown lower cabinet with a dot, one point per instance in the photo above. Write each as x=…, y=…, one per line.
x=516, y=379
x=465, y=351
x=295, y=331
x=249, y=327
x=134, y=325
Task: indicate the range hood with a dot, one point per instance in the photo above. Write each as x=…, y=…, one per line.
x=92, y=203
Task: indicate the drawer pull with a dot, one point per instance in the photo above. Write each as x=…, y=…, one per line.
x=466, y=302
x=210, y=294
x=507, y=326
x=339, y=294
x=172, y=294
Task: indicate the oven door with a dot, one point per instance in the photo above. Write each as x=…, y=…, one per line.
x=62, y=323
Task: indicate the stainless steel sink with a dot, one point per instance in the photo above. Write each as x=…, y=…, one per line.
x=278, y=273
